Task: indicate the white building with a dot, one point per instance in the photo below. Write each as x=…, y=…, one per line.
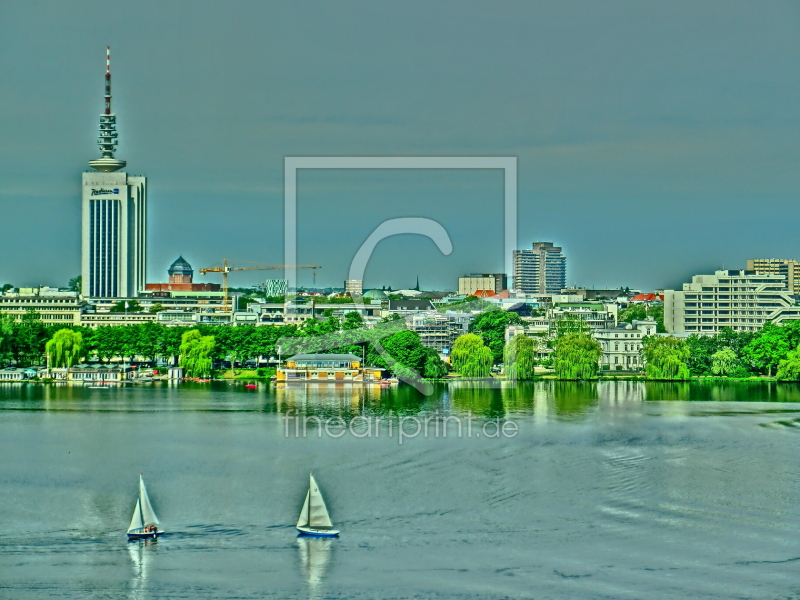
x=114, y=222
x=622, y=345
x=741, y=300
x=54, y=307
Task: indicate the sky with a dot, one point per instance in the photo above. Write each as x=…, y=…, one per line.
x=655, y=140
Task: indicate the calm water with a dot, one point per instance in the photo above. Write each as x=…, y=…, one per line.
x=610, y=490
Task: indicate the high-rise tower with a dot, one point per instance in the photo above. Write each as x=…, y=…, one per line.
x=540, y=270
x=114, y=225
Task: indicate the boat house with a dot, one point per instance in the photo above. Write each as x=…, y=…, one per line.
x=100, y=373
x=329, y=368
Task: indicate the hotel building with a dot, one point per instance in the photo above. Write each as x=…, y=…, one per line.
x=114, y=220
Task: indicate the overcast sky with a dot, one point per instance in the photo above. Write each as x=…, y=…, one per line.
x=655, y=139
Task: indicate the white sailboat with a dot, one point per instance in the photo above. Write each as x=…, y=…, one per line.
x=314, y=519
x=144, y=523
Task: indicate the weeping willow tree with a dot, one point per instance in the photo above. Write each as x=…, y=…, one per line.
x=576, y=356
x=519, y=357
x=666, y=358
x=195, y=353
x=64, y=348
x=789, y=369
x=471, y=357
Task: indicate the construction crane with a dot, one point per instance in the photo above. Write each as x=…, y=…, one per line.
x=226, y=268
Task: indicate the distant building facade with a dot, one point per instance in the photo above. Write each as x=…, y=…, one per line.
x=741, y=300
x=541, y=269
x=786, y=267
x=470, y=284
x=354, y=287
x=275, y=287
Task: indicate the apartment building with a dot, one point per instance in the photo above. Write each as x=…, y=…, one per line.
x=786, y=267
x=742, y=300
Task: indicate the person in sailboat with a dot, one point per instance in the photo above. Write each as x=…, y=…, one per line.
x=144, y=522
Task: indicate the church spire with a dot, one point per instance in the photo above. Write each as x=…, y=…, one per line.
x=107, y=139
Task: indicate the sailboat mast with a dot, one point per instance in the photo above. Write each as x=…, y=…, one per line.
x=308, y=508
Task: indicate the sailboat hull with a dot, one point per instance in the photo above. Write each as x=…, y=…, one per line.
x=313, y=532
x=145, y=536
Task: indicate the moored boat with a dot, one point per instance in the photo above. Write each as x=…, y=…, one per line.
x=314, y=519
x=144, y=522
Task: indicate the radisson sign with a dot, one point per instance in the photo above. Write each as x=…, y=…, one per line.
x=104, y=191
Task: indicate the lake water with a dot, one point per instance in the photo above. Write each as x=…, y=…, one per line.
x=609, y=490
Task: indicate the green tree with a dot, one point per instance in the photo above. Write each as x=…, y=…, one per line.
x=28, y=338
x=568, y=324
x=519, y=357
x=724, y=362
x=789, y=368
x=157, y=308
x=75, y=284
x=640, y=312
x=353, y=320
x=767, y=350
x=576, y=356
x=131, y=306
x=195, y=353
x=435, y=367
x=470, y=357
x=665, y=358
x=491, y=325
x=65, y=348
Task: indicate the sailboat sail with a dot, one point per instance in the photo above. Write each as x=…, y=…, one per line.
x=302, y=521
x=148, y=514
x=317, y=513
x=136, y=520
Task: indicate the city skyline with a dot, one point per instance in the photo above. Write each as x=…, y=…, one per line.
x=619, y=167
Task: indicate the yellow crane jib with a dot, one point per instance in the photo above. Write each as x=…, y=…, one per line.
x=226, y=268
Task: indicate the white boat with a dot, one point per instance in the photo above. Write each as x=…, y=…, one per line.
x=314, y=519
x=144, y=523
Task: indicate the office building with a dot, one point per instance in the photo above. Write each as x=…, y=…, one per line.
x=493, y=282
x=540, y=270
x=741, y=300
x=788, y=268
x=114, y=221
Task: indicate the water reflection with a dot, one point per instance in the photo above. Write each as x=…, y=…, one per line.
x=315, y=555
x=141, y=553
x=547, y=399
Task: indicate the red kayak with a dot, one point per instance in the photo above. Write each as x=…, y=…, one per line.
x=250, y=386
